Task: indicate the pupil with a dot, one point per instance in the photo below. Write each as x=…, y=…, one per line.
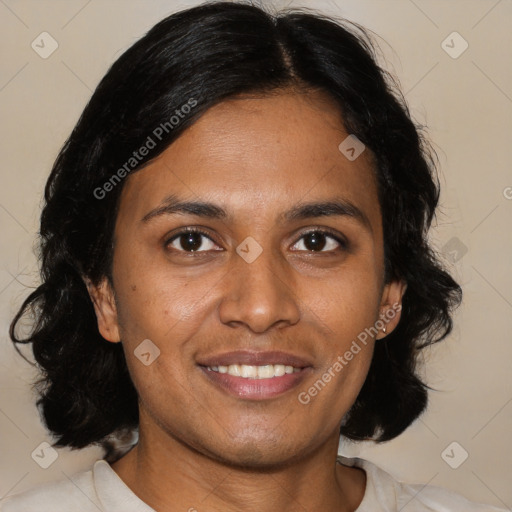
x=192, y=241
x=315, y=241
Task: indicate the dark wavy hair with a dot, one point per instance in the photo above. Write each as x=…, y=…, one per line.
x=210, y=53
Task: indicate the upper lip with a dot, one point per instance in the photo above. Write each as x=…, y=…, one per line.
x=254, y=358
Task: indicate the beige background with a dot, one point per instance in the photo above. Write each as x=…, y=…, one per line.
x=467, y=104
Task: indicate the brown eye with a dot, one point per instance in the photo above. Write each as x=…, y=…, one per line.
x=191, y=240
x=320, y=241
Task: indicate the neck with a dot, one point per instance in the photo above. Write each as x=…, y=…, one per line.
x=171, y=477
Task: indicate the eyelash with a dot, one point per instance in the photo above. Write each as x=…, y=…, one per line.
x=343, y=244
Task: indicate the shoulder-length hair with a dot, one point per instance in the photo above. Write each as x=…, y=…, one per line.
x=199, y=57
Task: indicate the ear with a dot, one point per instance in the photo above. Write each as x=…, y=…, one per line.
x=390, y=307
x=103, y=299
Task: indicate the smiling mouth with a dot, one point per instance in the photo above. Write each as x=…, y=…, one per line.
x=246, y=371
x=255, y=375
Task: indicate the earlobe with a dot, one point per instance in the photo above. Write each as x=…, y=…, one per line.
x=391, y=307
x=103, y=300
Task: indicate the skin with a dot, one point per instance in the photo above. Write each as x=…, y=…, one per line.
x=200, y=447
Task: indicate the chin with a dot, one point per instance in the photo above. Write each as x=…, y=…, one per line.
x=258, y=456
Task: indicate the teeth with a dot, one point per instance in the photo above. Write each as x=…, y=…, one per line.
x=255, y=372
x=233, y=369
x=266, y=372
x=279, y=370
x=249, y=372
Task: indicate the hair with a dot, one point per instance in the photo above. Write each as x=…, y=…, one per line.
x=200, y=57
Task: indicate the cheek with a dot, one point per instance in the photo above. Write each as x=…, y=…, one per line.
x=152, y=301
x=348, y=303
x=346, y=309
x=161, y=315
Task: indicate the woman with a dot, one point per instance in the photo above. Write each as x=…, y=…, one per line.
x=235, y=269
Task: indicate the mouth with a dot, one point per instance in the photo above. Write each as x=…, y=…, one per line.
x=246, y=371
x=255, y=375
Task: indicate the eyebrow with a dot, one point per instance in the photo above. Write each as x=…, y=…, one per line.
x=301, y=211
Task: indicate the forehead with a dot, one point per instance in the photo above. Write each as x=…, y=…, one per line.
x=266, y=153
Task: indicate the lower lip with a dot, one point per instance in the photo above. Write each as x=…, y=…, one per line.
x=255, y=389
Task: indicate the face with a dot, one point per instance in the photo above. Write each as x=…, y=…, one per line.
x=251, y=310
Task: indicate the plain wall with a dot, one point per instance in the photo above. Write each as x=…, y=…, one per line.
x=466, y=103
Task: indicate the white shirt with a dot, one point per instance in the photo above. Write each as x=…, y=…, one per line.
x=101, y=489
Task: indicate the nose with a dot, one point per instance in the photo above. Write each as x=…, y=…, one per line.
x=259, y=295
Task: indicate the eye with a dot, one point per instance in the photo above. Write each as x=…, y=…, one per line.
x=191, y=240
x=321, y=241
x=195, y=240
